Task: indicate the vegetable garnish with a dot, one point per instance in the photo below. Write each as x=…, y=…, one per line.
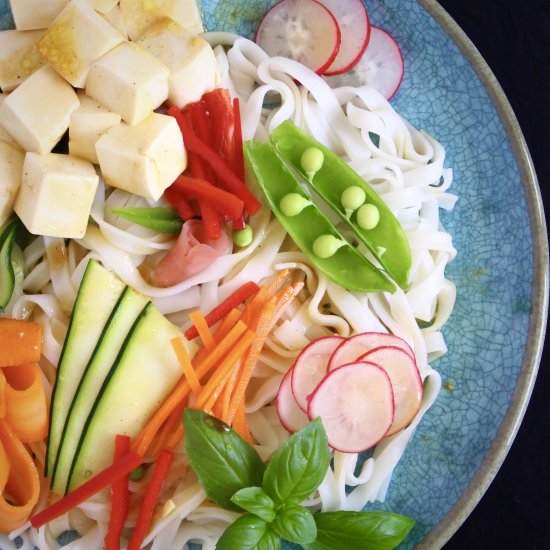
x=120, y=498
x=150, y=499
x=160, y=219
x=234, y=477
x=20, y=342
x=7, y=273
x=100, y=481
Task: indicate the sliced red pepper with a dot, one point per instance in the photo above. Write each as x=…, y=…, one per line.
x=201, y=126
x=230, y=180
x=222, y=122
x=238, y=139
x=88, y=489
x=180, y=203
x=150, y=499
x=211, y=221
x=219, y=312
x=120, y=497
x=222, y=201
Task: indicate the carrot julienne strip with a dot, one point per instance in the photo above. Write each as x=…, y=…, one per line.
x=203, y=329
x=187, y=367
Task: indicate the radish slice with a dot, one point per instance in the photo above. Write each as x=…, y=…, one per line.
x=303, y=30
x=355, y=403
x=405, y=380
x=311, y=366
x=357, y=345
x=354, y=24
x=381, y=66
x=291, y=416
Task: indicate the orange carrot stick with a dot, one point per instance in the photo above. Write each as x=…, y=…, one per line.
x=203, y=329
x=240, y=423
x=20, y=342
x=227, y=324
x=187, y=367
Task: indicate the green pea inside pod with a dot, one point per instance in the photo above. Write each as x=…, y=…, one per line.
x=352, y=198
x=292, y=204
x=312, y=161
x=326, y=246
x=368, y=216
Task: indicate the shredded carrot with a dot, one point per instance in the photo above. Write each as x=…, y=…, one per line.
x=187, y=367
x=203, y=329
x=20, y=342
x=240, y=424
x=3, y=386
x=227, y=324
x=175, y=438
x=228, y=391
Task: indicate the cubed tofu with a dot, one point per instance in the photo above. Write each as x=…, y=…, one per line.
x=191, y=60
x=78, y=37
x=143, y=159
x=36, y=114
x=114, y=17
x=19, y=57
x=5, y=137
x=129, y=81
x=140, y=15
x=103, y=6
x=35, y=14
x=88, y=123
x=56, y=195
x=11, y=165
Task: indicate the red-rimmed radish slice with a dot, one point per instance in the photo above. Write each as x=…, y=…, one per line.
x=355, y=403
x=311, y=366
x=381, y=66
x=303, y=30
x=357, y=345
x=291, y=416
x=354, y=23
x=405, y=380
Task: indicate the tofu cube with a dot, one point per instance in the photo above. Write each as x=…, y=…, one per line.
x=191, y=60
x=19, y=57
x=78, y=37
x=114, y=17
x=56, y=195
x=36, y=114
x=88, y=123
x=129, y=81
x=140, y=15
x=103, y=6
x=11, y=165
x=143, y=159
x=5, y=137
x=35, y=14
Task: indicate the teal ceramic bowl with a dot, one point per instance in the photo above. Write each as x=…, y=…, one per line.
x=496, y=332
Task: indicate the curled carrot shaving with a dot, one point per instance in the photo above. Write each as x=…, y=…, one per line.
x=18, y=479
x=20, y=342
x=26, y=405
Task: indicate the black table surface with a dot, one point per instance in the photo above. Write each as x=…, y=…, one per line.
x=514, y=38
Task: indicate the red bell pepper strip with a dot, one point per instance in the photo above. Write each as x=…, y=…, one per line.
x=150, y=499
x=201, y=126
x=88, y=489
x=211, y=221
x=238, y=139
x=180, y=203
x=222, y=201
x=224, y=173
x=222, y=122
x=220, y=311
x=120, y=498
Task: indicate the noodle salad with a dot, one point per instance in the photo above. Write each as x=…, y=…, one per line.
x=222, y=296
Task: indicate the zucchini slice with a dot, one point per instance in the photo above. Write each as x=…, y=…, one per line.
x=127, y=310
x=98, y=294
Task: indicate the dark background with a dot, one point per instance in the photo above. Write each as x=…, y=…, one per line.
x=514, y=38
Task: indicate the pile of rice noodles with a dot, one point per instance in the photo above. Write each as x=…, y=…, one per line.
x=406, y=168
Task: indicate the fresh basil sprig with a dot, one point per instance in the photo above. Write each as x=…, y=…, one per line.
x=233, y=475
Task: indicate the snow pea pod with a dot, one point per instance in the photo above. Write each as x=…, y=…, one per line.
x=307, y=225
x=385, y=238
x=161, y=219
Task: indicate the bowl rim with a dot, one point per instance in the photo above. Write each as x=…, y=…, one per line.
x=509, y=427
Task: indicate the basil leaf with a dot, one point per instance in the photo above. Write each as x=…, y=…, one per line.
x=360, y=530
x=249, y=533
x=296, y=524
x=256, y=501
x=297, y=468
x=222, y=460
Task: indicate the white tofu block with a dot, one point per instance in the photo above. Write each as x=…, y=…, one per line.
x=143, y=159
x=56, y=195
x=191, y=60
x=140, y=15
x=5, y=137
x=19, y=57
x=129, y=81
x=11, y=165
x=103, y=6
x=114, y=17
x=35, y=14
x=78, y=37
x=36, y=114
x=88, y=123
